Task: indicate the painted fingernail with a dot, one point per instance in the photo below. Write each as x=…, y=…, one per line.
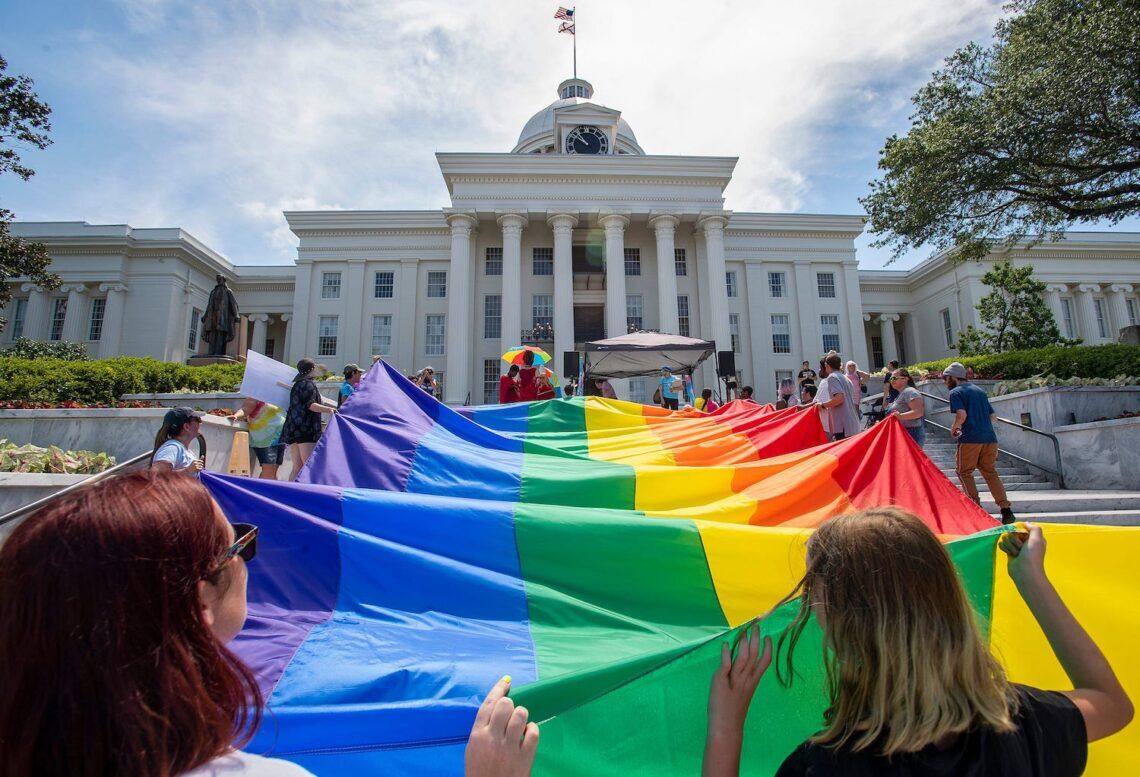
x=506, y=679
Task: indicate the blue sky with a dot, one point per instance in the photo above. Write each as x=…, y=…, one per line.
x=216, y=116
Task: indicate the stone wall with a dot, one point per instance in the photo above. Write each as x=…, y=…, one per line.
x=1102, y=454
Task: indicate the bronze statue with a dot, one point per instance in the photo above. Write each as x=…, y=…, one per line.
x=220, y=324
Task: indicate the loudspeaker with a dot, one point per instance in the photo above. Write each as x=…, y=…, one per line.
x=570, y=363
x=725, y=364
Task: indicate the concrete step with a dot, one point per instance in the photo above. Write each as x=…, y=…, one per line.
x=949, y=469
x=1105, y=518
x=1008, y=480
x=1089, y=503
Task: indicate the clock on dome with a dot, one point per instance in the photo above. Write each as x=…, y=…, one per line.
x=587, y=140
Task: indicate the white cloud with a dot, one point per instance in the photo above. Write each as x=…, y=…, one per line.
x=251, y=105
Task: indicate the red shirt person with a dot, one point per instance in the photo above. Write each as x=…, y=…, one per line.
x=509, y=386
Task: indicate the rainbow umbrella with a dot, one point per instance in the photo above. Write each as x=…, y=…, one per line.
x=515, y=355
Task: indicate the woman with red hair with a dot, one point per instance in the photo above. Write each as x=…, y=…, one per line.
x=116, y=604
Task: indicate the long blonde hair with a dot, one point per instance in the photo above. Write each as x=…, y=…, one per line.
x=905, y=660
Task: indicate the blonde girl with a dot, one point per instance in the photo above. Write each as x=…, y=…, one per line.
x=913, y=688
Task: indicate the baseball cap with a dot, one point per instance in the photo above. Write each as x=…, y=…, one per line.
x=666, y=368
x=176, y=416
x=350, y=370
x=954, y=370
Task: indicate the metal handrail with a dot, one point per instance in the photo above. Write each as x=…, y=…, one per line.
x=1059, y=472
x=20, y=512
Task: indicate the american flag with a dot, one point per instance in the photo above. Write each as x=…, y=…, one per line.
x=566, y=27
x=564, y=13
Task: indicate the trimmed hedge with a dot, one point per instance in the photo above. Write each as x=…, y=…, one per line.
x=1080, y=361
x=105, y=380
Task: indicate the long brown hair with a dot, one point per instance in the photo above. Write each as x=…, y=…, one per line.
x=904, y=656
x=106, y=663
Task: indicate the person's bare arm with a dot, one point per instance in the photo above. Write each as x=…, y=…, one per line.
x=959, y=419
x=1097, y=693
x=835, y=401
x=731, y=694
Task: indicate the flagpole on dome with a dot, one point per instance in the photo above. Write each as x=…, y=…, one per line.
x=574, y=35
x=569, y=18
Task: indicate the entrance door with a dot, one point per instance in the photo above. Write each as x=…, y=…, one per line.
x=589, y=323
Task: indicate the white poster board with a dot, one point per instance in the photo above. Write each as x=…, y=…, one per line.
x=267, y=379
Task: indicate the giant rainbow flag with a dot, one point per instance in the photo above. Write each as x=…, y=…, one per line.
x=598, y=552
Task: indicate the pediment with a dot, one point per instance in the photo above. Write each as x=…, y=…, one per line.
x=587, y=113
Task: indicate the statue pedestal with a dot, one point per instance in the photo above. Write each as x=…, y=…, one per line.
x=204, y=361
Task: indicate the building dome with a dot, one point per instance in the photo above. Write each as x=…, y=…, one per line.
x=537, y=136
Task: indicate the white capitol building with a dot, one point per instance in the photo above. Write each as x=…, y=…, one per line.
x=575, y=234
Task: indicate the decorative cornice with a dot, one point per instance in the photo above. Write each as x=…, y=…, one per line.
x=244, y=287
x=373, y=250
x=798, y=234
x=430, y=232
x=593, y=180
x=807, y=250
x=121, y=250
x=539, y=198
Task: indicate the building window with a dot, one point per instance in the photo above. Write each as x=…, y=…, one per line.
x=683, y=315
x=542, y=310
x=680, y=264
x=326, y=335
x=730, y=282
x=542, y=261
x=637, y=390
x=776, y=285
x=781, y=334
x=947, y=327
x=21, y=313
x=877, y=352
x=437, y=284
x=493, y=316
x=1067, y=315
x=734, y=331
x=58, y=314
x=633, y=312
x=330, y=285
x=95, y=325
x=382, y=335
x=195, y=319
x=493, y=260
x=829, y=325
x=1101, y=323
x=781, y=376
x=825, y=282
x=1131, y=305
x=271, y=348
x=633, y=261
x=490, y=381
x=434, y=334
x=385, y=285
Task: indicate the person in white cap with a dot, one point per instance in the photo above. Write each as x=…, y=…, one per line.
x=973, y=428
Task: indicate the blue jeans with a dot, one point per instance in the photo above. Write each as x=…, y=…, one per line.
x=917, y=433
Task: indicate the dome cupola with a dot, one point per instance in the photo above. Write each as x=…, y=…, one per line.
x=573, y=124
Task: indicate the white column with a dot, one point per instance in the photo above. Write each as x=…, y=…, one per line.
x=260, y=329
x=287, y=320
x=1053, y=300
x=73, y=319
x=854, y=300
x=110, y=340
x=354, y=290
x=407, y=325
x=1086, y=312
x=615, y=225
x=760, y=329
x=459, y=324
x=887, y=333
x=36, y=316
x=302, y=310
x=664, y=227
x=563, y=226
x=713, y=228
x=1118, y=308
x=808, y=324
x=513, y=225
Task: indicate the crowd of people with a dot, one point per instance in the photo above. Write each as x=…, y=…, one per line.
x=130, y=673
x=526, y=382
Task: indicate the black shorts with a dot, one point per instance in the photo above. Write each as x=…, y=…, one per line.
x=670, y=404
x=274, y=454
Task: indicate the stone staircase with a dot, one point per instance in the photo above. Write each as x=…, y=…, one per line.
x=1035, y=497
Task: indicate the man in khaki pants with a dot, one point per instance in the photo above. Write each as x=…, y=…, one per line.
x=977, y=442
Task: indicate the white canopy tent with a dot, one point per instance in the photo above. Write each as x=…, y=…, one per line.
x=644, y=353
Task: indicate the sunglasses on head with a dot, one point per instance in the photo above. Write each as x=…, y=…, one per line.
x=245, y=546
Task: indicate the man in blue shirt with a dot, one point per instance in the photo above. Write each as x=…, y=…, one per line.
x=977, y=443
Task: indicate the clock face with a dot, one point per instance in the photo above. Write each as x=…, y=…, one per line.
x=587, y=140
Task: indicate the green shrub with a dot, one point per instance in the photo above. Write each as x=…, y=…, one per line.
x=23, y=348
x=105, y=380
x=1082, y=361
x=51, y=460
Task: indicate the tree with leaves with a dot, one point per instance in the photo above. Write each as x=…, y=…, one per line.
x=23, y=122
x=1037, y=132
x=1014, y=315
